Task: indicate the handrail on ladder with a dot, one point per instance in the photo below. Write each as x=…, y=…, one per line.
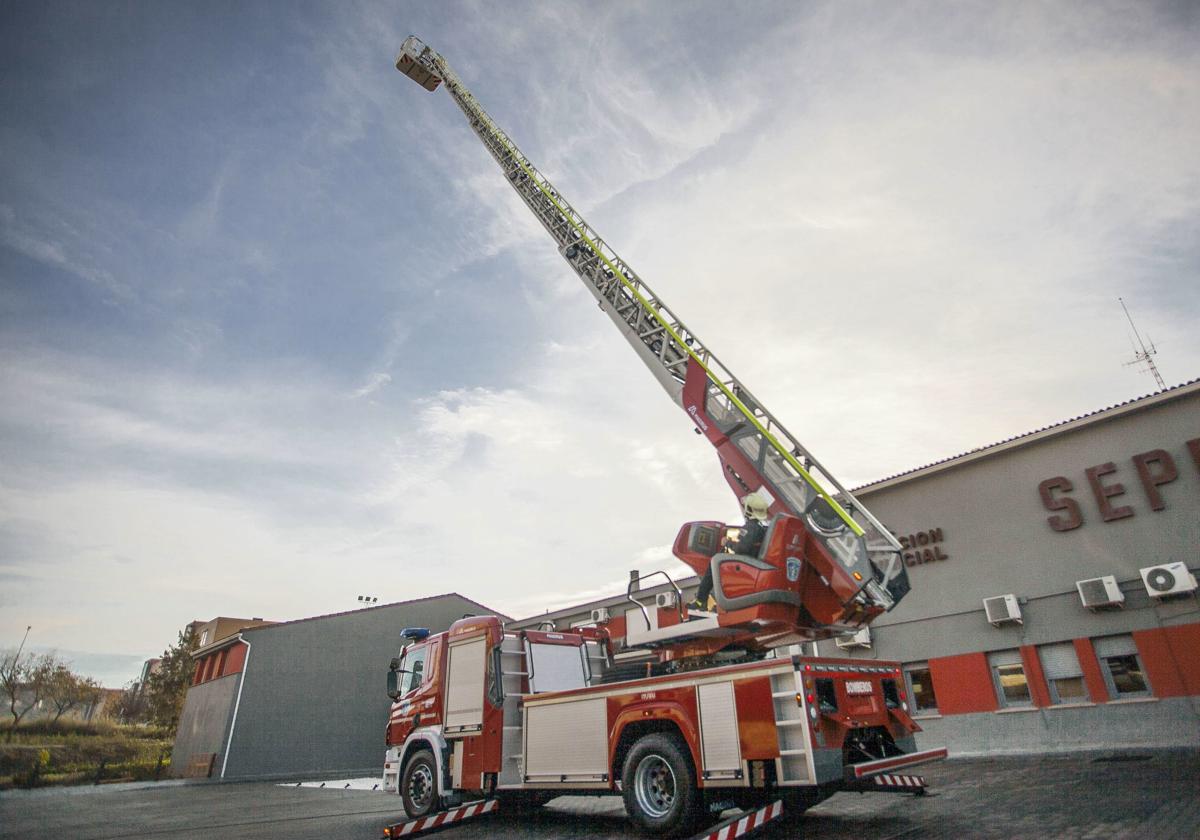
x=642, y=607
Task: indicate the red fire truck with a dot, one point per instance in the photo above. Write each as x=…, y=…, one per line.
x=675, y=706
x=524, y=716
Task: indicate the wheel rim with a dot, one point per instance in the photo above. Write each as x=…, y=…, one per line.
x=654, y=786
x=420, y=787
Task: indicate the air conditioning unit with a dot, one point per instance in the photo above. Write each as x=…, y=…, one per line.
x=665, y=600
x=1096, y=593
x=1003, y=609
x=599, y=615
x=861, y=639
x=1168, y=579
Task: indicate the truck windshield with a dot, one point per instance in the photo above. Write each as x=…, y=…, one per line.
x=414, y=664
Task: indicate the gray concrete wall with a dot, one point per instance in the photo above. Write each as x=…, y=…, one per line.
x=998, y=539
x=314, y=702
x=204, y=721
x=1123, y=724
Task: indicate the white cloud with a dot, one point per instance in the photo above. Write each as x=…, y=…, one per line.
x=374, y=382
x=904, y=230
x=50, y=247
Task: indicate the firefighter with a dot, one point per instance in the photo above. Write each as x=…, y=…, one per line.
x=747, y=542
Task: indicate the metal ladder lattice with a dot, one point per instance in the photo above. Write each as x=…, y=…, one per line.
x=853, y=536
x=513, y=673
x=792, y=729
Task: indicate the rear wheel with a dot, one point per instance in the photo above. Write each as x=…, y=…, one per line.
x=418, y=785
x=659, y=786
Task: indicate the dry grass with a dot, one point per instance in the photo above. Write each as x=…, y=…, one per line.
x=69, y=752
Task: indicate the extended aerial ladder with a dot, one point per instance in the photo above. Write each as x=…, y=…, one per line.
x=850, y=557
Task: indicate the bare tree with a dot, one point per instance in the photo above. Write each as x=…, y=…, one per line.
x=66, y=690
x=23, y=681
x=131, y=706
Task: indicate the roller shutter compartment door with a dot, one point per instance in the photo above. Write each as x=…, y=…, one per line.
x=464, y=687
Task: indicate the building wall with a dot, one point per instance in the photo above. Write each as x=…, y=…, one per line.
x=990, y=528
x=204, y=721
x=996, y=529
x=314, y=702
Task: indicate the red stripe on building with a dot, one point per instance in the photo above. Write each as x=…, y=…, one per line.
x=236, y=660
x=1034, y=676
x=963, y=684
x=1169, y=655
x=1092, y=677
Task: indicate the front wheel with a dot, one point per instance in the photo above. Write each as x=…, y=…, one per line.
x=418, y=785
x=659, y=786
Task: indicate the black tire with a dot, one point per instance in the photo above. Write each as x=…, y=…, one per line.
x=418, y=785
x=658, y=784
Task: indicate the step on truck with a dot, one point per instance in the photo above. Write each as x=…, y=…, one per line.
x=522, y=717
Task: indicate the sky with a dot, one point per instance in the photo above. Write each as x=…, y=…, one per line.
x=275, y=332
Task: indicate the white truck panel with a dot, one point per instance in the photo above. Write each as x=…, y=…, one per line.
x=464, y=687
x=720, y=749
x=567, y=742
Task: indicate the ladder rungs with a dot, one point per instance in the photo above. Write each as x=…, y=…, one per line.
x=793, y=752
x=779, y=694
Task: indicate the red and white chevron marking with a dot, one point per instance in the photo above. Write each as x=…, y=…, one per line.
x=891, y=780
x=743, y=825
x=463, y=812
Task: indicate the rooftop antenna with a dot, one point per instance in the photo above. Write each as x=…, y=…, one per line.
x=1143, y=355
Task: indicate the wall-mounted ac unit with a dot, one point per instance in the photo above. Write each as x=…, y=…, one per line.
x=599, y=615
x=665, y=600
x=1168, y=579
x=861, y=639
x=1003, y=609
x=1096, y=593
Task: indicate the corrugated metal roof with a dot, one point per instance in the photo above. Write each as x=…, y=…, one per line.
x=1091, y=416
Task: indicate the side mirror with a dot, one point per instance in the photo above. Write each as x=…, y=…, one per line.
x=393, y=679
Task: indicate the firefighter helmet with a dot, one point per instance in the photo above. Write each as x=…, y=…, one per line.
x=755, y=507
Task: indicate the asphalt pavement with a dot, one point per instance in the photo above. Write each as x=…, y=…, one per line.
x=1150, y=794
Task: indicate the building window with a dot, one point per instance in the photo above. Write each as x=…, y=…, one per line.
x=920, y=688
x=1008, y=673
x=204, y=638
x=1064, y=677
x=1121, y=666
